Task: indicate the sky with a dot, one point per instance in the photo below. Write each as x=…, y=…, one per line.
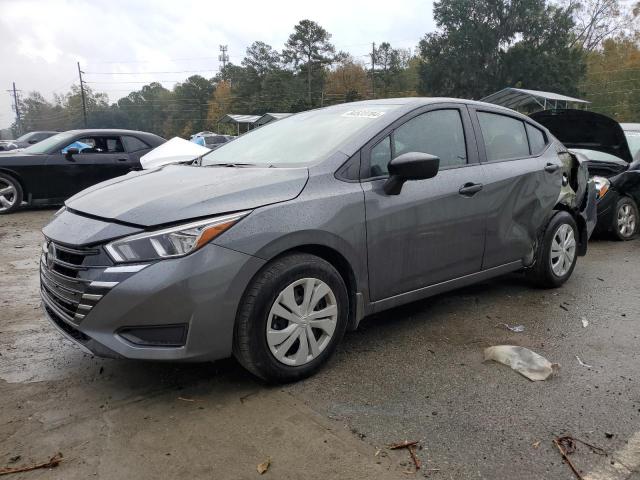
x=41, y=41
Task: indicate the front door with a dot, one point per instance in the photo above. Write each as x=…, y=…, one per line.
x=100, y=158
x=433, y=230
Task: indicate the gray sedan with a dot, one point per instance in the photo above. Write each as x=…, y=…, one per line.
x=272, y=246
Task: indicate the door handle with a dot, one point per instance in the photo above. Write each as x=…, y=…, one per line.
x=551, y=167
x=123, y=159
x=470, y=189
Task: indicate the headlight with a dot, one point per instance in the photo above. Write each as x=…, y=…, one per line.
x=602, y=186
x=171, y=242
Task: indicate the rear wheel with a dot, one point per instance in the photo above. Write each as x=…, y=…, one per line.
x=10, y=194
x=557, y=252
x=626, y=219
x=291, y=318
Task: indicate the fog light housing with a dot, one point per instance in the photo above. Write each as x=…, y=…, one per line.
x=156, y=335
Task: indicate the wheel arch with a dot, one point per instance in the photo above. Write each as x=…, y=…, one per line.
x=17, y=178
x=583, y=231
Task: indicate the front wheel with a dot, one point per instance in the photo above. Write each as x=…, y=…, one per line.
x=625, y=220
x=10, y=194
x=292, y=316
x=557, y=252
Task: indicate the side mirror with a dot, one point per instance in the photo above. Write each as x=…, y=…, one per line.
x=70, y=153
x=410, y=166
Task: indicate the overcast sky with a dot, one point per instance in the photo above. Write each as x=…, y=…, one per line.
x=41, y=41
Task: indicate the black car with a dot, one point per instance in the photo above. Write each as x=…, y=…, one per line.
x=25, y=140
x=601, y=141
x=58, y=167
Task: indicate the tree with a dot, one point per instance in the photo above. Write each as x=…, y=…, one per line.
x=308, y=48
x=598, y=20
x=389, y=62
x=613, y=74
x=262, y=58
x=219, y=105
x=485, y=45
x=347, y=82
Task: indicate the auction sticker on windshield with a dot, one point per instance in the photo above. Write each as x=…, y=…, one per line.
x=363, y=113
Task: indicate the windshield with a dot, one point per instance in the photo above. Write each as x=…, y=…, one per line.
x=24, y=137
x=633, y=139
x=48, y=143
x=300, y=139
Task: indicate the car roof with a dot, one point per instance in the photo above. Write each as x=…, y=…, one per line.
x=632, y=127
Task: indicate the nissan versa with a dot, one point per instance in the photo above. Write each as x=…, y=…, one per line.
x=272, y=246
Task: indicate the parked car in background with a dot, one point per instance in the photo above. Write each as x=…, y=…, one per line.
x=56, y=168
x=25, y=140
x=272, y=246
x=632, y=132
x=211, y=140
x=605, y=146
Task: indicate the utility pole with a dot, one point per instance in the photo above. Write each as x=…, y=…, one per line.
x=373, y=69
x=84, y=101
x=16, y=107
x=223, y=57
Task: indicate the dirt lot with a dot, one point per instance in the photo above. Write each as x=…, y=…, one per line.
x=412, y=373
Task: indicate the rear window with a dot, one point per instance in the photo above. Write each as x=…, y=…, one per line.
x=537, y=140
x=134, y=144
x=504, y=137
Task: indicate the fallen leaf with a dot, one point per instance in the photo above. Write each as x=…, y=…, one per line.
x=536, y=444
x=264, y=466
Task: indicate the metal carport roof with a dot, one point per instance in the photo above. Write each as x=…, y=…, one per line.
x=269, y=117
x=519, y=97
x=244, y=119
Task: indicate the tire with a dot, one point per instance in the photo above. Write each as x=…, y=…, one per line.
x=262, y=339
x=625, y=219
x=10, y=194
x=555, y=261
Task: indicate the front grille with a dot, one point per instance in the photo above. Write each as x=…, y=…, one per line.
x=67, y=280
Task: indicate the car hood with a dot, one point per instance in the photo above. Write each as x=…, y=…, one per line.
x=179, y=192
x=581, y=129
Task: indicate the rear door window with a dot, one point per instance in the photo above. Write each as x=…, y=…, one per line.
x=504, y=137
x=537, y=139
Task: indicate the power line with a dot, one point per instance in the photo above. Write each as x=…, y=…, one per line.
x=149, y=73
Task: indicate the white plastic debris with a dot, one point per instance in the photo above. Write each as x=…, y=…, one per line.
x=582, y=363
x=515, y=328
x=176, y=150
x=533, y=366
x=585, y=322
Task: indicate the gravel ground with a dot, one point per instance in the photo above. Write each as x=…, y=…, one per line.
x=413, y=373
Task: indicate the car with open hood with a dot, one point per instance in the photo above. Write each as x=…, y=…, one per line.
x=54, y=169
x=604, y=145
x=272, y=246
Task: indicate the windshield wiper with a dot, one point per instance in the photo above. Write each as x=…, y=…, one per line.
x=231, y=165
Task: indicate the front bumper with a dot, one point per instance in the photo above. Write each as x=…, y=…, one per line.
x=92, y=307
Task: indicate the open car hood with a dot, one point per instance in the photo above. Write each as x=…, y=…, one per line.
x=581, y=129
x=176, y=150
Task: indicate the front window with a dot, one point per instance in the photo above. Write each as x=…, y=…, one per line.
x=301, y=139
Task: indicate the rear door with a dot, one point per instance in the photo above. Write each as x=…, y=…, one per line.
x=523, y=181
x=434, y=229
